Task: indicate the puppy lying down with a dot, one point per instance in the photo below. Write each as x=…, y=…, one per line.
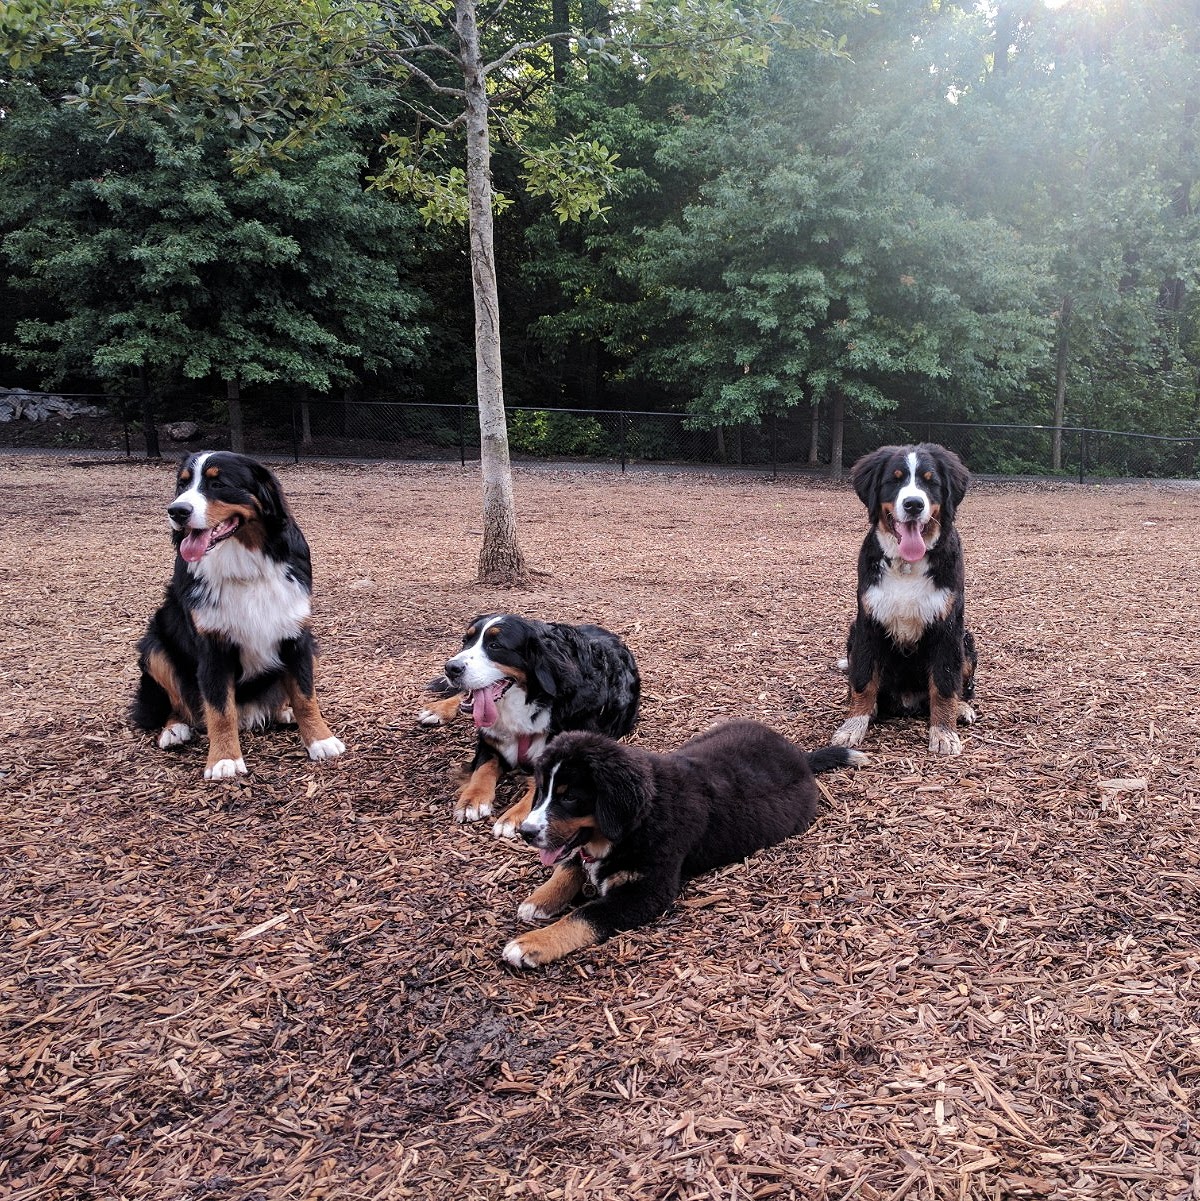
x=629, y=826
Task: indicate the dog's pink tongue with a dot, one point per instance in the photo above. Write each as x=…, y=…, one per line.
x=193, y=546
x=483, y=707
x=912, y=545
x=549, y=858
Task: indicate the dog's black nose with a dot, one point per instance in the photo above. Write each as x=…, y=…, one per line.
x=453, y=670
x=180, y=511
x=913, y=505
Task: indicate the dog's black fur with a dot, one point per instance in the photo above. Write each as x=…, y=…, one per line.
x=633, y=826
x=550, y=677
x=909, y=652
x=230, y=648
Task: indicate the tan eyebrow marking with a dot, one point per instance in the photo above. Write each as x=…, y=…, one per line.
x=212, y=472
x=184, y=476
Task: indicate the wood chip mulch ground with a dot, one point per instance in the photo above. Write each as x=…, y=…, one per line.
x=974, y=978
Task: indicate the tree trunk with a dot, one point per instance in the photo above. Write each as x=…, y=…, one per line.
x=305, y=418
x=237, y=435
x=814, y=437
x=149, y=429
x=500, y=560
x=837, y=421
x=1060, y=384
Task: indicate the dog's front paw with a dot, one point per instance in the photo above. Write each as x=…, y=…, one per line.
x=225, y=769
x=285, y=716
x=966, y=715
x=326, y=748
x=473, y=811
x=530, y=912
x=851, y=732
x=427, y=717
x=571, y=933
x=516, y=955
x=176, y=734
x=944, y=741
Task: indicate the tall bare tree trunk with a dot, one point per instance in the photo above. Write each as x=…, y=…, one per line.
x=837, y=421
x=1060, y=384
x=237, y=434
x=500, y=560
x=149, y=429
x=814, y=436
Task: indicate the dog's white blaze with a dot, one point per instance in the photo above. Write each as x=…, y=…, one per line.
x=905, y=601
x=252, y=601
x=194, y=497
x=538, y=819
x=478, y=669
x=912, y=489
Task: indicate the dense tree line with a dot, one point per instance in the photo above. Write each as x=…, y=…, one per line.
x=933, y=210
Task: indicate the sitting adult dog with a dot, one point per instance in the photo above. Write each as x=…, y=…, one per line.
x=632, y=825
x=524, y=682
x=230, y=648
x=909, y=652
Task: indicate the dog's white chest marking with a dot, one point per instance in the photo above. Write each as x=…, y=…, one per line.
x=516, y=718
x=252, y=601
x=905, y=601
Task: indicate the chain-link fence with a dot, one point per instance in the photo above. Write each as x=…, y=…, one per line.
x=788, y=442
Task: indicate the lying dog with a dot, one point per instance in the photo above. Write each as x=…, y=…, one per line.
x=524, y=682
x=230, y=647
x=909, y=652
x=633, y=825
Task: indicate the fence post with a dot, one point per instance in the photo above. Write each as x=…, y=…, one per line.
x=1082, y=453
x=295, y=441
x=622, y=441
x=774, y=445
x=462, y=436
x=128, y=452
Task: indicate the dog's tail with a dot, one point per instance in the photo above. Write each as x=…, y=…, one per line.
x=151, y=706
x=830, y=757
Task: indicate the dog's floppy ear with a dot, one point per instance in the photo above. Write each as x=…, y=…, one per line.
x=867, y=474
x=550, y=668
x=267, y=492
x=622, y=789
x=954, y=476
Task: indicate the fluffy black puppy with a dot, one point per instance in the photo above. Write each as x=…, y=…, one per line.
x=524, y=682
x=909, y=652
x=632, y=826
x=229, y=648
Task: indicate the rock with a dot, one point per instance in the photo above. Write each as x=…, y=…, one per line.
x=181, y=431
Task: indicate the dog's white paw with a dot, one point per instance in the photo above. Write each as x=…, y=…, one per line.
x=944, y=741
x=851, y=732
x=427, y=717
x=473, y=813
x=966, y=715
x=843, y=665
x=176, y=734
x=225, y=769
x=528, y=912
x=326, y=748
x=285, y=717
x=516, y=955
x=503, y=829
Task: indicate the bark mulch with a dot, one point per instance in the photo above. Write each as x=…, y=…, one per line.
x=974, y=978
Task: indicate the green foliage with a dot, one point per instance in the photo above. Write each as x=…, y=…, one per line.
x=158, y=260
x=549, y=433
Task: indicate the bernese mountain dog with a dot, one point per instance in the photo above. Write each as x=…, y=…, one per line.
x=230, y=649
x=524, y=682
x=627, y=827
x=909, y=652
